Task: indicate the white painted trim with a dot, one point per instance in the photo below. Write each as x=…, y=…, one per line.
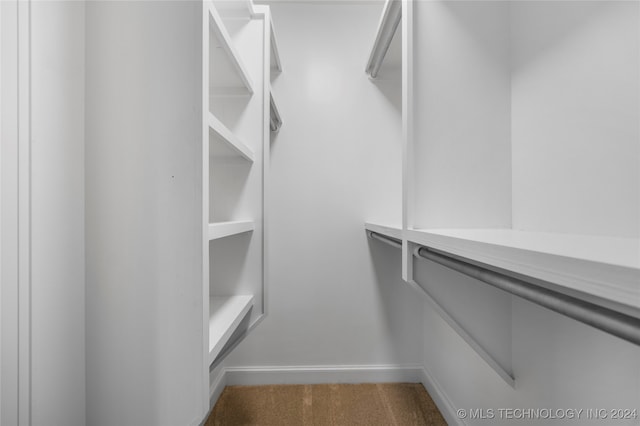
x=407, y=136
x=216, y=389
x=265, y=12
x=441, y=399
x=315, y=374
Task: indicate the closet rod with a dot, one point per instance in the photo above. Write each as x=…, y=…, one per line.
x=394, y=242
x=618, y=324
x=386, y=29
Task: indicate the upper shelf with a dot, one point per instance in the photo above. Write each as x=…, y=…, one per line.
x=227, y=144
x=605, y=267
x=387, y=46
x=276, y=65
x=227, y=73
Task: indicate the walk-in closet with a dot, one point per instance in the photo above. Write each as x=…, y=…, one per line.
x=319, y=212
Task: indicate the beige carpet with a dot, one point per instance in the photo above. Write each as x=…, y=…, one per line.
x=389, y=404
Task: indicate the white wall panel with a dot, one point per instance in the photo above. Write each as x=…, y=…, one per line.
x=144, y=213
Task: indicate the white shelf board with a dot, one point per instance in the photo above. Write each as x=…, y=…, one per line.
x=276, y=65
x=227, y=72
x=225, y=315
x=388, y=230
x=225, y=229
x=226, y=143
x=602, y=267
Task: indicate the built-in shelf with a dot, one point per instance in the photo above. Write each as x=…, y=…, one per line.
x=226, y=229
x=228, y=73
x=276, y=65
x=225, y=143
x=387, y=230
x=605, y=267
x=225, y=315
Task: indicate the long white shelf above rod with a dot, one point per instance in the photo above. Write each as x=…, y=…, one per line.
x=219, y=230
x=230, y=141
x=224, y=39
x=391, y=16
x=605, y=269
x=225, y=316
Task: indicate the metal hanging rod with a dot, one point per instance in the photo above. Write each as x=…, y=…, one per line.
x=394, y=242
x=618, y=324
x=388, y=25
x=615, y=323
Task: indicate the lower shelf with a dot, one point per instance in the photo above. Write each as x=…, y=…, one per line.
x=226, y=229
x=225, y=315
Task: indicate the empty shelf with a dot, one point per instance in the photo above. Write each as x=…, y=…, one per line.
x=276, y=65
x=604, y=267
x=387, y=230
x=225, y=315
x=225, y=229
x=226, y=69
x=227, y=144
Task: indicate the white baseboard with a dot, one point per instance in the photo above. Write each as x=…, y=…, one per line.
x=441, y=399
x=274, y=375
x=217, y=387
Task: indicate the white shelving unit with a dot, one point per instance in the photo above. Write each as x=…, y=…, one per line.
x=605, y=267
x=236, y=79
x=506, y=165
x=226, y=229
x=226, y=314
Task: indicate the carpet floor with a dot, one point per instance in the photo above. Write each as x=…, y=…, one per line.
x=388, y=404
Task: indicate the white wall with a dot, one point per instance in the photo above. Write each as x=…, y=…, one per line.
x=576, y=157
x=334, y=298
x=57, y=214
x=144, y=214
x=462, y=109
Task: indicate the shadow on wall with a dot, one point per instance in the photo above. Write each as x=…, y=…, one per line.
x=399, y=303
x=481, y=310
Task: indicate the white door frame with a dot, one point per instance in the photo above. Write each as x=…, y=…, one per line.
x=15, y=213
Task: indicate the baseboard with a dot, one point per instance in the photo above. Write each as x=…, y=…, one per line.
x=217, y=387
x=441, y=399
x=274, y=375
